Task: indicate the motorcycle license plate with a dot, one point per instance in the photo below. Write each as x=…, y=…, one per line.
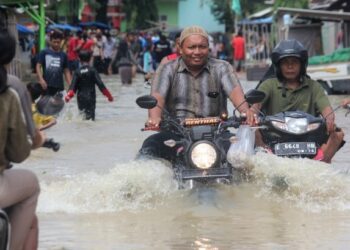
x=295, y=148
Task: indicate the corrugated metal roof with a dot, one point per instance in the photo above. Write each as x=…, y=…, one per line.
x=315, y=14
x=262, y=13
x=325, y=4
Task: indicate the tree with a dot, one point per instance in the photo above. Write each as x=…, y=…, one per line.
x=101, y=12
x=301, y=4
x=222, y=10
x=139, y=12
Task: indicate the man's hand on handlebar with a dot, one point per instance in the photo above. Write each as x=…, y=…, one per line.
x=345, y=103
x=251, y=117
x=152, y=124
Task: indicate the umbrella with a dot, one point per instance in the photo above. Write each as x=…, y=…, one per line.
x=95, y=24
x=267, y=20
x=23, y=29
x=64, y=27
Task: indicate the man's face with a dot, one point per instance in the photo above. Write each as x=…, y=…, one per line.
x=130, y=38
x=290, y=68
x=56, y=44
x=195, y=51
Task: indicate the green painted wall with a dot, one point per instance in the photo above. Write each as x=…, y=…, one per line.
x=170, y=9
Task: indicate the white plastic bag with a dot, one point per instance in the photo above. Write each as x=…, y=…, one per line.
x=242, y=147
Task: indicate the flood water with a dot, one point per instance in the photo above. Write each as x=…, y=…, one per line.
x=95, y=195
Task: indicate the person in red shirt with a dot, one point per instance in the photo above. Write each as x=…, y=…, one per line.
x=86, y=43
x=73, y=47
x=238, y=47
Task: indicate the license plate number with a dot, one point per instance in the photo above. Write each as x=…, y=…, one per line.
x=295, y=148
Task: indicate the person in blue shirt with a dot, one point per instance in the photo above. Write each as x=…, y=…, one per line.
x=148, y=61
x=52, y=65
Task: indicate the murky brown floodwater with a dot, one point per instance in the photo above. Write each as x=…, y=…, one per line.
x=96, y=196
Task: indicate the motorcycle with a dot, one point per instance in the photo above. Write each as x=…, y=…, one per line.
x=294, y=134
x=201, y=155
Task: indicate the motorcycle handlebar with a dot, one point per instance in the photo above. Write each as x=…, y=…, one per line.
x=234, y=123
x=150, y=128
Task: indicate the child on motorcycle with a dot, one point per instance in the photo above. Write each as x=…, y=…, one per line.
x=83, y=82
x=291, y=89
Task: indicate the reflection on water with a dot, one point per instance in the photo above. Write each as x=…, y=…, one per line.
x=95, y=195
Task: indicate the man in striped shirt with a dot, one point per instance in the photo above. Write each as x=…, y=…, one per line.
x=193, y=85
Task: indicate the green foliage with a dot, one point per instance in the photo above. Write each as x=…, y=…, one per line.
x=93, y=4
x=101, y=12
x=138, y=12
x=222, y=10
x=302, y=4
x=251, y=6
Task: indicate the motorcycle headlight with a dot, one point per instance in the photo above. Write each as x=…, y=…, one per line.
x=295, y=125
x=203, y=155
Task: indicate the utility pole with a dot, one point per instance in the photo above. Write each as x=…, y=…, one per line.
x=38, y=17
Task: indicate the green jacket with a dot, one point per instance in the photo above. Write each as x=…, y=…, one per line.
x=15, y=144
x=309, y=97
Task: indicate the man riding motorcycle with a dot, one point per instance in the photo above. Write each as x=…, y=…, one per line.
x=192, y=86
x=291, y=89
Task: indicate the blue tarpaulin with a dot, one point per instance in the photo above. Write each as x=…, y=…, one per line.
x=95, y=24
x=23, y=29
x=64, y=27
x=257, y=21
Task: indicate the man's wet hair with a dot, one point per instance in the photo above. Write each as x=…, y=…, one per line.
x=7, y=53
x=130, y=33
x=35, y=90
x=55, y=34
x=84, y=55
x=177, y=35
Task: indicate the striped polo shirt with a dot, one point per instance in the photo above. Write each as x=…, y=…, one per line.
x=188, y=96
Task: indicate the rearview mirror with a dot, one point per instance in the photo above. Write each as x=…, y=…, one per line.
x=254, y=96
x=146, y=102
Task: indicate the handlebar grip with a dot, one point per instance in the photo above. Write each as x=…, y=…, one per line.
x=151, y=128
x=234, y=124
x=242, y=119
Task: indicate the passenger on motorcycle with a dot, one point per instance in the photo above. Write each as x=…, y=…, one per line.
x=193, y=85
x=19, y=188
x=291, y=89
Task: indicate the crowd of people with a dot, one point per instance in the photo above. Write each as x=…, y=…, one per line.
x=109, y=50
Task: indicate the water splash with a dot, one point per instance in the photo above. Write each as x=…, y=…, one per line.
x=307, y=184
x=130, y=186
